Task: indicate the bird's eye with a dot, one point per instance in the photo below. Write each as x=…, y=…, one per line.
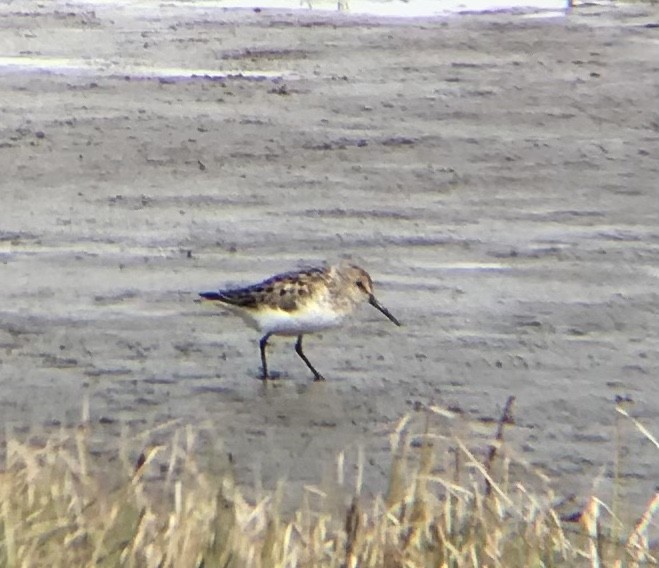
x=360, y=285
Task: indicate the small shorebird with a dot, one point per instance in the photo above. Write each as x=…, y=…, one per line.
x=304, y=301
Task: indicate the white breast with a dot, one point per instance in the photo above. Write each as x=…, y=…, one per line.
x=307, y=320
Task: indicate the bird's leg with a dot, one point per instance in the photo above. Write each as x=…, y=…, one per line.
x=298, y=349
x=262, y=345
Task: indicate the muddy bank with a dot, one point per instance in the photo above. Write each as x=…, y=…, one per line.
x=496, y=174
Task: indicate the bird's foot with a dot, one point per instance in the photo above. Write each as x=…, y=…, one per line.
x=270, y=376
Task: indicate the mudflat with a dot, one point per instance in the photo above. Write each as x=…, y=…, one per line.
x=496, y=174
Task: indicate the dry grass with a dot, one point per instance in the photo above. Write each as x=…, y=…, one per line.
x=445, y=506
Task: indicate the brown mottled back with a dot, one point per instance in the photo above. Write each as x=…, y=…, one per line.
x=284, y=291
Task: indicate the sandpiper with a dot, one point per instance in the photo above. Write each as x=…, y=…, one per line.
x=299, y=302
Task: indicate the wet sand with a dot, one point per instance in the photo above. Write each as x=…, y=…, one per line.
x=496, y=174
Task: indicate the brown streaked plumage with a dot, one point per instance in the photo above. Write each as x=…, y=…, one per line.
x=299, y=302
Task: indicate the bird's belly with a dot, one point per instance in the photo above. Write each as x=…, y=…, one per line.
x=308, y=320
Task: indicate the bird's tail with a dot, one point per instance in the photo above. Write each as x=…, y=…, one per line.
x=241, y=297
x=213, y=296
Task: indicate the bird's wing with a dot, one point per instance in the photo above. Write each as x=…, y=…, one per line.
x=284, y=291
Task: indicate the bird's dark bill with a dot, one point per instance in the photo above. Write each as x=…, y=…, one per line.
x=381, y=308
